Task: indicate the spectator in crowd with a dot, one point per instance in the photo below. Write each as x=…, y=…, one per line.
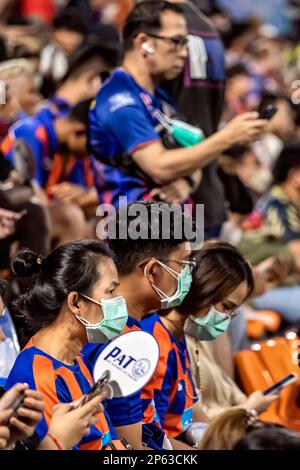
x=155, y=38
x=96, y=58
x=24, y=95
x=29, y=415
x=269, y=438
x=222, y=281
x=64, y=322
x=69, y=31
x=52, y=141
x=240, y=429
x=280, y=130
x=238, y=87
x=280, y=214
x=159, y=268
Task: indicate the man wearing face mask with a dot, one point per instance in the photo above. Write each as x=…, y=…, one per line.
x=160, y=271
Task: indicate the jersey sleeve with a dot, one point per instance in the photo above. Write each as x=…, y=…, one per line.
x=125, y=410
x=25, y=133
x=37, y=371
x=131, y=126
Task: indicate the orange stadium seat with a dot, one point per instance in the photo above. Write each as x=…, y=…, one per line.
x=266, y=363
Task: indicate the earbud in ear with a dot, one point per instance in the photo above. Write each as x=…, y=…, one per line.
x=145, y=46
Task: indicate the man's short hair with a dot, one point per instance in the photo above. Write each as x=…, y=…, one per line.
x=156, y=220
x=80, y=112
x=146, y=17
x=70, y=19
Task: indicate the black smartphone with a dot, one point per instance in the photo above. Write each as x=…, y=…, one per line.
x=101, y=384
x=15, y=405
x=268, y=112
x=289, y=379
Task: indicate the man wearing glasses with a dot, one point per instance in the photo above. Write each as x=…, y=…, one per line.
x=131, y=130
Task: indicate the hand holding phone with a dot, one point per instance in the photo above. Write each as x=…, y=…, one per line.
x=288, y=380
x=100, y=385
x=268, y=112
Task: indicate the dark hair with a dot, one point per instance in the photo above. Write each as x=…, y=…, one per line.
x=4, y=291
x=269, y=438
x=70, y=267
x=288, y=160
x=219, y=271
x=154, y=242
x=235, y=70
x=80, y=112
x=146, y=17
x=70, y=19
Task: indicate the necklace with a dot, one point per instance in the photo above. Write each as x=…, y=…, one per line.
x=199, y=378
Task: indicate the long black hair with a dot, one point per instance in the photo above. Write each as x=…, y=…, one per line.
x=70, y=267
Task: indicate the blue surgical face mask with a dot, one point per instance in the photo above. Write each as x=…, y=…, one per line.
x=115, y=317
x=184, y=279
x=209, y=327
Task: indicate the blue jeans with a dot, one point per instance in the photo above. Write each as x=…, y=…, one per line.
x=284, y=300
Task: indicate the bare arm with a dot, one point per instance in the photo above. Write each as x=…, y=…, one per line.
x=164, y=166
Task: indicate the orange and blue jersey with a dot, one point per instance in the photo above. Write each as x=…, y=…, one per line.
x=121, y=122
x=51, y=167
x=172, y=386
x=60, y=383
x=130, y=410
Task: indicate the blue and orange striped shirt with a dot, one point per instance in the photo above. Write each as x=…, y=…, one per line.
x=172, y=386
x=60, y=383
x=51, y=167
x=130, y=410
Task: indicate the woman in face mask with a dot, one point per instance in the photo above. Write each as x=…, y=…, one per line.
x=71, y=301
x=222, y=281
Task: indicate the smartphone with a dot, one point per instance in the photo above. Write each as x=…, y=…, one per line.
x=289, y=379
x=101, y=384
x=15, y=405
x=268, y=112
x=23, y=212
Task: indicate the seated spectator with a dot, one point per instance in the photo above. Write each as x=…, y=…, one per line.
x=24, y=95
x=240, y=429
x=67, y=427
x=238, y=87
x=23, y=425
x=222, y=281
x=45, y=136
x=95, y=58
x=69, y=31
x=9, y=345
x=279, y=131
x=269, y=438
x=158, y=268
x=56, y=309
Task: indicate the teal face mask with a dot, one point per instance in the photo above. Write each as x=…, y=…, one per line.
x=184, y=284
x=185, y=134
x=209, y=327
x=115, y=318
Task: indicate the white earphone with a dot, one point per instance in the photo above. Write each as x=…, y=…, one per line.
x=145, y=46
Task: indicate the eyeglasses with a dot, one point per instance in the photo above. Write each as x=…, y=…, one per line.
x=191, y=262
x=179, y=42
x=231, y=313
